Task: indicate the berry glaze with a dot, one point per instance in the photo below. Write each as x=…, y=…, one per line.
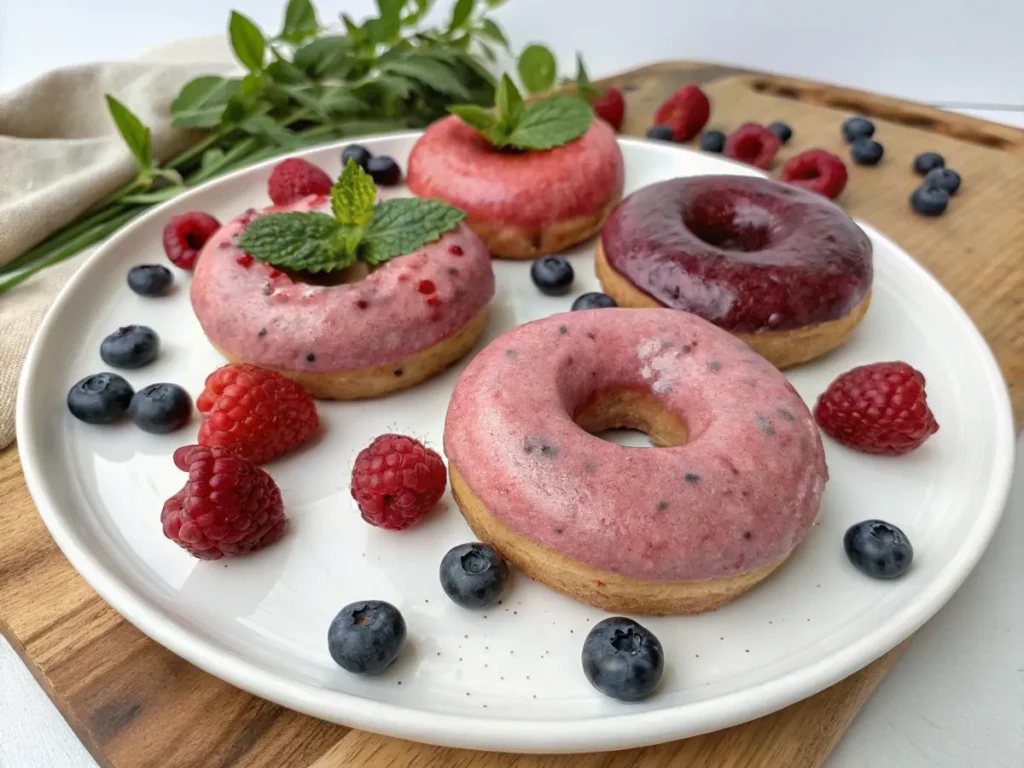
x=452, y=162
x=739, y=494
x=747, y=254
x=265, y=317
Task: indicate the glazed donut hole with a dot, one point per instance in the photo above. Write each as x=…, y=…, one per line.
x=354, y=274
x=732, y=224
x=628, y=408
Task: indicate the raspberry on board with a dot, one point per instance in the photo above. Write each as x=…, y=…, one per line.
x=396, y=481
x=185, y=235
x=816, y=170
x=294, y=179
x=686, y=112
x=610, y=106
x=753, y=144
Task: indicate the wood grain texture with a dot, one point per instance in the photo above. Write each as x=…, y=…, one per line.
x=136, y=705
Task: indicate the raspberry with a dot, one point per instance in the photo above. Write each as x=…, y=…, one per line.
x=753, y=144
x=294, y=179
x=254, y=413
x=610, y=107
x=228, y=506
x=816, y=170
x=878, y=408
x=185, y=235
x=686, y=112
x=396, y=481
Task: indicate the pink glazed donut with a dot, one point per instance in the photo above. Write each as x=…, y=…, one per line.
x=522, y=205
x=407, y=320
x=679, y=529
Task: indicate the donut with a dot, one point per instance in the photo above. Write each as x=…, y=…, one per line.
x=782, y=268
x=522, y=205
x=403, y=322
x=683, y=528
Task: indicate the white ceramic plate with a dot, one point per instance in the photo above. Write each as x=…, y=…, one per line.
x=508, y=678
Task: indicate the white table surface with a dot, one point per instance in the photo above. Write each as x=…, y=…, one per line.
x=956, y=698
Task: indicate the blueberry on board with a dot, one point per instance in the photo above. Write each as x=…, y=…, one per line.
x=366, y=637
x=780, y=129
x=857, y=128
x=878, y=549
x=383, y=170
x=929, y=201
x=473, y=575
x=622, y=659
x=131, y=346
x=594, y=300
x=928, y=161
x=943, y=178
x=866, y=152
x=712, y=141
x=660, y=132
x=150, y=279
x=356, y=152
x=100, y=398
x=552, y=275
x=160, y=408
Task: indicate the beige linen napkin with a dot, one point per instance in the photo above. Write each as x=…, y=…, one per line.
x=59, y=154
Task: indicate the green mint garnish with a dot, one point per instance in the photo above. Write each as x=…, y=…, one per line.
x=358, y=229
x=584, y=87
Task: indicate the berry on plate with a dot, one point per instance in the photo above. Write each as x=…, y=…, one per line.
x=100, y=398
x=396, y=481
x=594, y=300
x=356, y=152
x=294, y=179
x=816, y=170
x=473, y=575
x=928, y=161
x=780, y=129
x=622, y=659
x=878, y=549
x=610, y=107
x=660, y=132
x=943, y=178
x=712, y=141
x=366, y=637
x=877, y=408
x=131, y=346
x=686, y=112
x=552, y=274
x=857, y=128
x=228, y=506
x=185, y=235
x=383, y=170
x=150, y=279
x=255, y=413
x=753, y=144
x=929, y=201
x=160, y=408
x=866, y=152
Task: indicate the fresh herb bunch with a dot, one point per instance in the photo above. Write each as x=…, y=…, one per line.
x=303, y=87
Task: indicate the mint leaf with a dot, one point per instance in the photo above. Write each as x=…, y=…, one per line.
x=135, y=134
x=387, y=27
x=583, y=85
x=536, y=68
x=329, y=56
x=300, y=21
x=483, y=121
x=460, y=14
x=262, y=125
x=509, y=103
x=310, y=242
x=492, y=31
x=247, y=41
x=353, y=196
x=432, y=73
x=552, y=122
x=401, y=225
x=201, y=102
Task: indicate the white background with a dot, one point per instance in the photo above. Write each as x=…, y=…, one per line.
x=956, y=699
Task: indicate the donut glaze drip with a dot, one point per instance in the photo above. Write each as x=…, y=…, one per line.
x=745, y=253
x=738, y=495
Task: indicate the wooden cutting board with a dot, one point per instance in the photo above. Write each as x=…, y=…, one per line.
x=135, y=704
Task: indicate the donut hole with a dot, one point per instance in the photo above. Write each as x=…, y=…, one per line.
x=630, y=409
x=730, y=224
x=354, y=274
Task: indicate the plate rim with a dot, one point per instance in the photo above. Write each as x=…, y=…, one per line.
x=607, y=732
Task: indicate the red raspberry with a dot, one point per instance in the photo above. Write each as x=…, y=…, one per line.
x=396, y=481
x=228, y=506
x=610, y=107
x=185, y=235
x=686, y=111
x=816, y=170
x=753, y=144
x=294, y=179
x=878, y=408
x=254, y=413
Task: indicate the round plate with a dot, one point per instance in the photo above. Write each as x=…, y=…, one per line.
x=507, y=678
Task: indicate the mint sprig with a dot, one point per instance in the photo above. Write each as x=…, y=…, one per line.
x=358, y=229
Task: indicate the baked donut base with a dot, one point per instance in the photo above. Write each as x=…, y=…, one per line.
x=377, y=380
x=510, y=242
x=781, y=348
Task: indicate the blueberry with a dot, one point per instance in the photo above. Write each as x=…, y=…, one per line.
x=622, y=659
x=857, y=128
x=473, y=575
x=150, y=279
x=780, y=129
x=384, y=171
x=878, y=549
x=100, y=398
x=943, y=178
x=365, y=637
x=131, y=346
x=552, y=274
x=929, y=201
x=928, y=161
x=161, y=408
x=712, y=141
x=356, y=152
x=594, y=301
x=660, y=132
x=866, y=152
